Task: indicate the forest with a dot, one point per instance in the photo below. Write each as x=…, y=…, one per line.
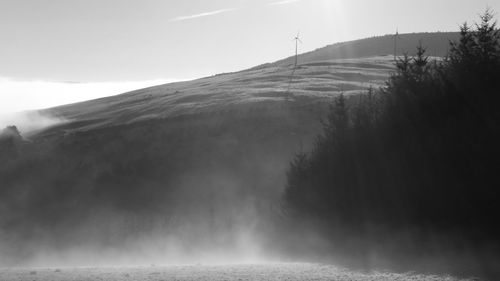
x=411, y=168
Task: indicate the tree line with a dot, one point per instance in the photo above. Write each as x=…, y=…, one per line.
x=420, y=154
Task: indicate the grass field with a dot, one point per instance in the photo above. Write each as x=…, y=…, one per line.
x=278, y=271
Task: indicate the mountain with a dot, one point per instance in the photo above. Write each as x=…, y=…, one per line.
x=181, y=169
x=348, y=67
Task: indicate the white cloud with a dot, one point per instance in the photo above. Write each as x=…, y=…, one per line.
x=283, y=2
x=206, y=14
x=18, y=95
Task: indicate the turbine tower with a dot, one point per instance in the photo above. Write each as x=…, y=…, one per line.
x=297, y=40
x=396, y=44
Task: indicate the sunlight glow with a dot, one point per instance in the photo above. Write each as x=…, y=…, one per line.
x=336, y=15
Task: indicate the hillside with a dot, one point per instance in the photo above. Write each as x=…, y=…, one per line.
x=169, y=162
x=270, y=86
x=348, y=67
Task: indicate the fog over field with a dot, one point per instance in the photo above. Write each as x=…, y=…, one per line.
x=336, y=159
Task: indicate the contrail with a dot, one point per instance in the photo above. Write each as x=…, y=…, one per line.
x=284, y=2
x=206, y=14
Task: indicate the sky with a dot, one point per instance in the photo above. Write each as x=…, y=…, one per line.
x=61, y=51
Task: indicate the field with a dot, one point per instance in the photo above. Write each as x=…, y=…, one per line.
x=289, y=272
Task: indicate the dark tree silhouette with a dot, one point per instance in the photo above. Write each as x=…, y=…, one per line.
x=420, y=155
x=10, y=132
x=10, y=140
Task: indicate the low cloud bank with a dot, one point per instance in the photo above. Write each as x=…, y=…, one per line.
x=18, y=95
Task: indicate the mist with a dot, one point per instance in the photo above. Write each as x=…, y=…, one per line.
x=30, y=122
x=111, y=238
x=200, y=189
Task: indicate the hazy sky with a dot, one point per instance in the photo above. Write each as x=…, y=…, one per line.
x=117, y=41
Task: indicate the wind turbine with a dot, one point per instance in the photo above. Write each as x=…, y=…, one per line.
x=297, y=40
